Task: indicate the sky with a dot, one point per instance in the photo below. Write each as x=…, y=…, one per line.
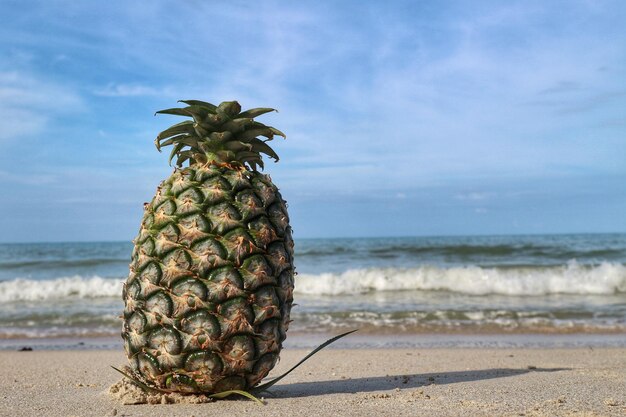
x=403, y=118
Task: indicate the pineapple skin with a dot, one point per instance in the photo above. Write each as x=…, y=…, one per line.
x=210, y=288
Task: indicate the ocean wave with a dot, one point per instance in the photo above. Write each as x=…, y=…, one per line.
x=572, y=278
x=460, y=251
x=58, y=332
x=459, y=320
x=61, y=263
x=66, y=287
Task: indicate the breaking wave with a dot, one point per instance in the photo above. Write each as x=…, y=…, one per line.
x=572, y=278
x=61, y=288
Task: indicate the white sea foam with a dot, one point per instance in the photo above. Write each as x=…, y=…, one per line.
x=573, y=278
x=66, y=287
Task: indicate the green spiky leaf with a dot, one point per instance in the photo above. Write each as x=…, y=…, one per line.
x=177, y=148
x=252, y=113
x=221, y=136
x=253, y=133
x=259, y=146
x=186, y=139
x=184, y=156
x=183, y=127
x=198, y=110
x=247, y=156
x=208, y=106
x=176, y=111
x=277, y=132
x=229, y=108
x=218, y=134
x=236, y=125
x=237, y=146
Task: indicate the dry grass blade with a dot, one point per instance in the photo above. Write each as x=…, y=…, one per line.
x=224, y=394
x=135, y=381
x=217, y=396
x=268, y=384
x=249, y=395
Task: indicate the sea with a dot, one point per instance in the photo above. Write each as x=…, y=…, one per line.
x=464, y=290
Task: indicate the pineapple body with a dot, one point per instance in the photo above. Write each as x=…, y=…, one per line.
x=209, y=293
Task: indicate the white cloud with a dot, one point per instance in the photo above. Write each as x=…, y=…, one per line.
x=132, y=90
x=474, y=196
x=28, y=103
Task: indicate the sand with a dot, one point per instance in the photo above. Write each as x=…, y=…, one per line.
x=350, y=382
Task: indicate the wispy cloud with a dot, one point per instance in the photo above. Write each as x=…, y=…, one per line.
x=561, y=87
x=28, y=103
x=474, y=196
x=132, y=90
x=380, y=102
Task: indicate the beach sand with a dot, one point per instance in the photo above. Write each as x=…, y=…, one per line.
x=346, y=382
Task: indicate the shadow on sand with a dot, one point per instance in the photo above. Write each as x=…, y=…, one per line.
x=385, y=383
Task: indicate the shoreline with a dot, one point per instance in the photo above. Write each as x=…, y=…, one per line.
x=347, y=382
x=365, y=340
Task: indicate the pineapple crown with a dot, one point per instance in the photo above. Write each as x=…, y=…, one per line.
x=222, y=135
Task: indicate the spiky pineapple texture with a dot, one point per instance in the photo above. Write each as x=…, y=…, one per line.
x=209, y=293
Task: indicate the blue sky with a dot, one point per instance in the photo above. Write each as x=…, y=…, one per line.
x=402, y=117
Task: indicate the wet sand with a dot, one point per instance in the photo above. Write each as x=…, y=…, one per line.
x=346, y=382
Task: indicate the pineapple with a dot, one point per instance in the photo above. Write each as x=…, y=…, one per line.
x=209, y=293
